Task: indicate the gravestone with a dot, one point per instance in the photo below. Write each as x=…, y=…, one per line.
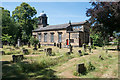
x=39, y=45
x=41, y=50
x=49, y=51
x=60, y=45
x=80, y=52
x=35, y=47
x=57, y=45
x=18, y=43
x=68, y=53
x=70, y=48
x=54, y=44
x=81, y=68
x=17, y=58
x=25, y=51
x=84, y=47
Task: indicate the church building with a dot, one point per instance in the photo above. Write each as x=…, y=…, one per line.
x=75, y=33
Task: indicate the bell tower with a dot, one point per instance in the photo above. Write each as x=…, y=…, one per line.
x=43, y=19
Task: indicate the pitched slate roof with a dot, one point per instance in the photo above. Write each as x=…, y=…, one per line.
x=56, y=27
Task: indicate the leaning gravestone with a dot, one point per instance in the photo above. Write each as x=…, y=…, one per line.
x=81, y=68
x=49, y=51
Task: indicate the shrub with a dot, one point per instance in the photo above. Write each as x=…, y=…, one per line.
x=91, y=67
x=76, y=73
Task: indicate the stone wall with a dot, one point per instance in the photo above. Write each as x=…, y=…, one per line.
x=65, y=36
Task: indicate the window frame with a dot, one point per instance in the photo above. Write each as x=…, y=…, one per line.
x=52, y=37
x=45, y=37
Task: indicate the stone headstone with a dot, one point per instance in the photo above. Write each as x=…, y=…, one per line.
x=41, y=50
x=60, y=46
x=35, y=47
x=57, y=45
x=68, y=53
x=84, y=47
x=17, y=58
x=25, y=51
x=49, y=51
x=18, y=43
x=80, y=52
x=39, y=45
x=71, y=49
x=54, y=44
x=81, y=68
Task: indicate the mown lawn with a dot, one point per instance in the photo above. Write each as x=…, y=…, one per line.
x=60, y=65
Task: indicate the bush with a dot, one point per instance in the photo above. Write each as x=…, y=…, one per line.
x=76, y=73
x=91, y=67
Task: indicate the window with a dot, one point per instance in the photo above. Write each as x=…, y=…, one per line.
x=45, y=37
x=59, y=37
x=39, y=37
x=52, y=37
x=72, y=40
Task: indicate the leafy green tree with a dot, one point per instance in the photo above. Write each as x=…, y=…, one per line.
x=24, y=14
x=9, y=27
x=34, y=41
x=6, y=38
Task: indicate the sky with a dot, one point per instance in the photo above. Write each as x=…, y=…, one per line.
x=57, y=12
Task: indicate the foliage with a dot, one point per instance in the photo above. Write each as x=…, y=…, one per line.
x=97, y=39
x=7, y=38
x=105, y=13
x=24, y=14
x=91, y=67
x=9, y=27
x=103, y=16
x=34, y=41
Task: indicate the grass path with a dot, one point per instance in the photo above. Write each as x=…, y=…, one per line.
x=67, y=69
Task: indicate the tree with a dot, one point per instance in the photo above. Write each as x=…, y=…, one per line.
x=104, y=17
x=24, y=14
x=9, y=27
x=34, y=41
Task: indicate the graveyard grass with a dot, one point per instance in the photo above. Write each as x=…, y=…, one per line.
x=59, y=65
